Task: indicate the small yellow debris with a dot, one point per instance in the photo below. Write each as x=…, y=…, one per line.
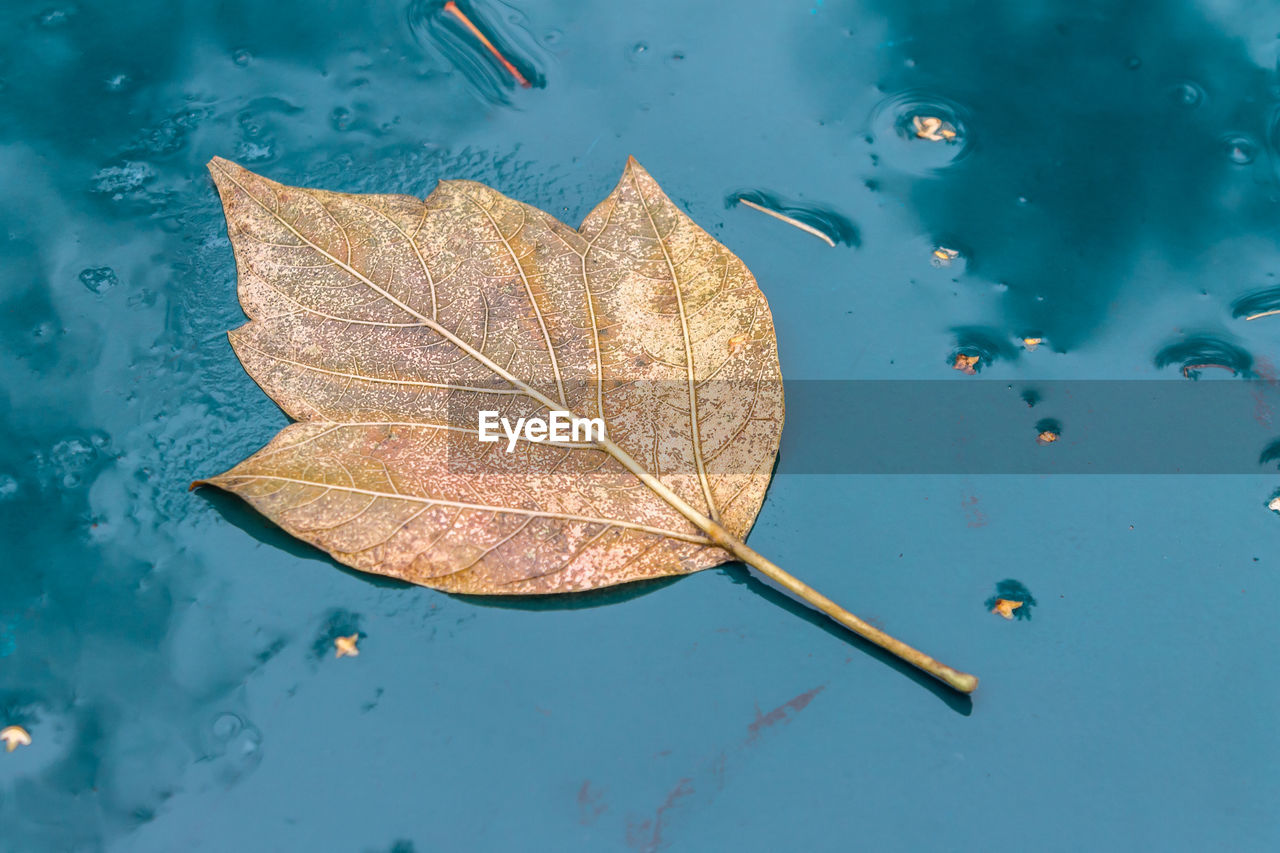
x=14, y=737
x=1005, y=607
x=1047, y=436
x=1032, y=343
x=933, y=129
x=942, y=256
x=966, y=364
x=736, y=343
x=344, y=646
x=1274, y=506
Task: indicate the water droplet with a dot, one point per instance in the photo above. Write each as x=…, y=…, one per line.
x=1187, y=94
x=640, y=48
x=143, y=297
x=919, y=132
x=227, y=726
x=553, y=37
x=341, y=118
x=249, y=743
x=54, y=17
x=68, y=460
x=127, y=177
x=99, y=279
x=242, y=57
x=117, y=82
x=1240, y=150
x=1023, y=201
x=1133, y=63
x=253, y=152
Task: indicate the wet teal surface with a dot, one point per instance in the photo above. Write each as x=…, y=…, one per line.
x=1113, y=190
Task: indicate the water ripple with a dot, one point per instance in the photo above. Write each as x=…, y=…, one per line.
x=898, y=121
x=1195, y=353
x=1259, y=303
x=835, y=226
x=444, y=32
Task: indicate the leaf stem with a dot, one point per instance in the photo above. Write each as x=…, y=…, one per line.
x=961, y=681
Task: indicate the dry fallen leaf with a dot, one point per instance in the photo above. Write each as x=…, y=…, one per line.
x=1046, y=436
x=1032, y=343
x=14, y=737
x=385, y=324
x=346, y=646
x=1274, y=505
x=1005, y=607
x=966, y=364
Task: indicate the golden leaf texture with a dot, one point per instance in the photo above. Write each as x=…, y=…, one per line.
x=385, y=324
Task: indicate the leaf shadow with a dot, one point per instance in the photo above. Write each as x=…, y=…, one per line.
x=239, y=514
x=573, y=600
x=961, y=703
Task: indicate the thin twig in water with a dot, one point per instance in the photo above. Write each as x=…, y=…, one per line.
x=475, y=31
x=787, y=219
x=1187, y=368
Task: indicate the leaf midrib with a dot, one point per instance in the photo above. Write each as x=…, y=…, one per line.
x=399, y=496
x=695, y=428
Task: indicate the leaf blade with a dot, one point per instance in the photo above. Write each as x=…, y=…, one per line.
x=353, y=511
x=396, y=319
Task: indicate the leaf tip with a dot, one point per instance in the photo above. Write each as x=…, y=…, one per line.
x=633, y=165
x=223, y=170
x=220, y=164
